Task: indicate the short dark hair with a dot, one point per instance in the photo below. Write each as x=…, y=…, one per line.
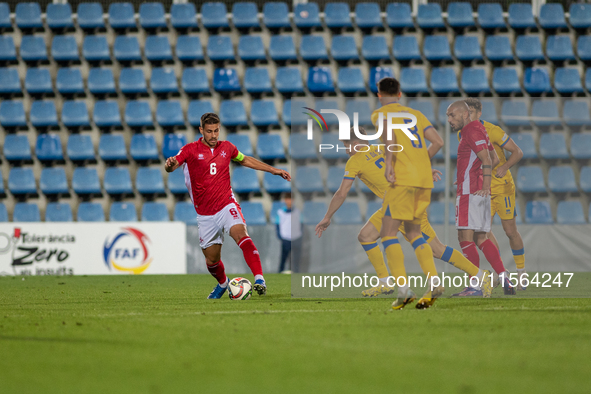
x=361, y=131
x=389, y=86
x=209, y=118
x=473, y=102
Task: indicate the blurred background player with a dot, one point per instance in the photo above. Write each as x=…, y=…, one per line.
x=474, y=169
x=206, y=165
x=502, y=186
x=289, y=231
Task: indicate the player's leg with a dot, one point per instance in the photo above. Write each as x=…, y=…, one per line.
x=517, y=247
x=492, y=255
x=251, y=256
x=465, y=233
x=368, y=237
x=210, y=240
x=285, y=249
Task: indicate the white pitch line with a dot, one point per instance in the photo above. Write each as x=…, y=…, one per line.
x=246, y=312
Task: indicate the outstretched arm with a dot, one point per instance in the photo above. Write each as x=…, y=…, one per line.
x=335, y=203
x=255, y=164
x=171, y=164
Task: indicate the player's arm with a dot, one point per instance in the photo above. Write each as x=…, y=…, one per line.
x=516, y=155
x=389, y=172
x=435, y=139
x=335, y=203
x=251, y=162
x=494, y=158
x=171, y=164
x=174, y=162
x=484, y=157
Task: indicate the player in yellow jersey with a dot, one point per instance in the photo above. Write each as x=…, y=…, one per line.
x=502, y=186
x=367, y=163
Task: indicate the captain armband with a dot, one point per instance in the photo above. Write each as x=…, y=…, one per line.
x=239, y=157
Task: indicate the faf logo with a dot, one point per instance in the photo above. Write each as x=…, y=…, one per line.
x=128, y=251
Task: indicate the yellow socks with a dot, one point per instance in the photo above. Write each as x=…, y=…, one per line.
x=376, y=258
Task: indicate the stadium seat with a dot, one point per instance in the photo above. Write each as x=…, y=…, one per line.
x=588, y=78
x=253, y=213
x=584, y=48
x=430, y=16
x=568, y=81
x=561, y=179
x=5, y=26
x=367, y=16
x=514, y=113
x=17, y=148
x=559, y=48
x=300, y=148
x=538, y=212
x=242, y=142
x=157, y=48
x=320, y=80
x=53, y=181
x=309, y=180
x=106, y=114
x=80, y=147
x=176, y=183
x=12, y=115
x=505, y=81
x=442, y=110
x=344, y=49
x=373, y=49
x=117, y=181
x=233, y=114
x=7, y=50
x=25, y=212
x=335, y=177
x=257, y=81
x=444, y=80
x=489, y=111
x=490, y=16
x=570, y=212
x=270, y=147
x=184, y=211
x=536, y=81
x=425, y=106
x=580, y=16
x=33, y=49
x=143, y=147
x=436, y=48
x=220, y=49
x=313, y=211
x=64, y=49
x=251, y=49
x=337, y=15
x=398, y=16
x=132, y=82
x=189, y=49
x=59, y=16
x=196, y=109
x=350, y=80
x=90, y=212
x=38, y=82
x=288, y=80
x=474, y=80
x=121, y=16
x=169, y=114
x=580, y=146
x=138, y=114
x=467, y=48
x=553, y=146
x=525, y=141
x=163, y=81
x=576, y=113
x=282, y=48
x=125, y=212
x=529, y=48
x=530, y=179
x=149, y=181
x=545, y=113
x=101, y=82
x=275, y=184
x=406, y=49
x=459, y=15
x=412, y=81
x=214, y=16
x=306, y=16
x=152, y=16
x=276, y=16
x=112, y=148
x=313, y=48
x=362, y=107
x=521, y=16
x=172, y=144
x=96, y=50
x=28, y=17
x=245, y=16
x=585, y=179
x=321, y=104
x=183, y=16
x=245, y=181
x=21, y=181
x=69, y=82
x=43, y=115
x=498, y=48
x=10, y=83
x=437, y=212
x=194, y=81
x=263, y=113
x=225, y=80
x=58, y=212
x=127, y=49
x=75, y=115
x=90, y=16
x=349, y=213
x=552, y=17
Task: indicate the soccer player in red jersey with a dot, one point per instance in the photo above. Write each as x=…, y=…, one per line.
x=473, y=218
x=206, y=164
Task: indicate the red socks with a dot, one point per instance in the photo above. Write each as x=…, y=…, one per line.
x=217, y=271
x=470, y=252
x=251, y=255
x=492, y=256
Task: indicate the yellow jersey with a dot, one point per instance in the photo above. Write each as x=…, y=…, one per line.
x=369, y=167
x=498, y=138
x=412, y=166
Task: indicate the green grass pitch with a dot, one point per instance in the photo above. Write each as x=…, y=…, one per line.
x=158, y=334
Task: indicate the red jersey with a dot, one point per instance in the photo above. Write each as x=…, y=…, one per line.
x=207, y=174
x=474, y=139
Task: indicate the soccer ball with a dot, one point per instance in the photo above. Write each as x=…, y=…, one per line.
x=240, y=289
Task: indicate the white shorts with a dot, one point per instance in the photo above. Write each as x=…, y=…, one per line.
x=212, y=227
x=473, y=213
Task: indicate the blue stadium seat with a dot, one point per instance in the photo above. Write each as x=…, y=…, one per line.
x=172, y=144
x=373, y=49
x=313, y=48
x=337, y=15
x=430, y=16
x=406, y=49
x=545, y=113
x=125, y=212
x=436, y=48
x=90, y=16
x=43, y=115
x=112, y=148
x=251, y=49
x=121, y=16
x=80, y=147
x=585, y=179
x=576, y=113
x=559, y=48
x=75, y=115
x=263, y=113
x=196, y=109
x=28, y=16
x=525, y=141
x=245, y=181
x=38, y=82
x=442, y=110
x=12, y=115
x=321, y=104
x=301, y=148
x=176, y=183
x=245, y=16
x=349, y=213
x=530, y=179
x=169, y=114
x=226, y=80
x=53, y=181
x=275, y=184
x=33, y=49
x=528, y=48
x=570, y=212
x=184, y=212
x=333, y=154
x=194, y=81
x=58, y=212
x=253, y=213
x=350, y=80
x=183, y=16
x=138, y=114
x=459, y=15
x=398, y=16
x=467, y=48
x=157, y=48
x=505, y=80
x=521, y=16
x=412, y=81
x=152, y=16
x=257, y=81
x=163, y=81
x=474, y=80
x=69, y=82
x=188, y=48
x=367, y=16
x=588, y=78
x=553, y=146
x=64, y=49
x=335, y=177
x=101, y=82
x=49, y=148
x=242, y=142
x=299, y=118
x=567, y=81
x=25, y=212
x=437, y=212
x=90, y=212
x=149, y=181
x=344, y=49
x=5, y=25
x=580, y=16
x=313, y=212
x=425, y=106
x=282, y=48
x=514, y=113
x=580, y=146
x=7, y=50
x=288, y=80
x=117, y=181
x=498, y=48
x=59, y=16
x=552, y=17
x=489, y=111
x=95, y=49
x=538, y=212
x=537, y=81
x=127, y=49
x=143, y=147
x=320, y=80
x=106, y=114
x=214, y=15
x=10, y=83
x=220, y=49
x=132, y=82
x=561, y=179
x=276, y=16
x=232, y=113
x=270, y=147
x=17, y=148
x=363, y=109
x=490, y=16
x=306, y=16
x=444, y=80
x=21, y=181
